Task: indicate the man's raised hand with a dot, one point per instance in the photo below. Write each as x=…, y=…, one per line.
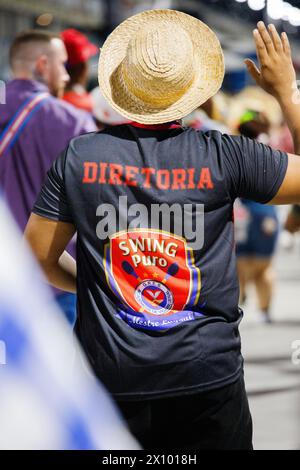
x=276, y=73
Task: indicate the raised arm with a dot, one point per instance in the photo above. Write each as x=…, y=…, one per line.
x=277, y=76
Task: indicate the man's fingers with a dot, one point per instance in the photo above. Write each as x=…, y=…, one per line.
x=265, y=37
x=275, y=37
x=253, y=70
x=286, y=43
x=261, y=50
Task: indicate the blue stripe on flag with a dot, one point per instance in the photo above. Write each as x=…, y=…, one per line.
x=15, y=339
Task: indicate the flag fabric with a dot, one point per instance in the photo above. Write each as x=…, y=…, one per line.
x=48, y=400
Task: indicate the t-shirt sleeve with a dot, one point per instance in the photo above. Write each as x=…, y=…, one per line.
x=252, y=170
x=52, y=201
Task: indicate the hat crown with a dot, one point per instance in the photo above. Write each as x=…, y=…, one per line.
x=159, y=66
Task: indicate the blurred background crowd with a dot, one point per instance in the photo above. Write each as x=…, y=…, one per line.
x=267, y=239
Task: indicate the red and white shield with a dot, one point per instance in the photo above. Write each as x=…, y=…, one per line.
x=152, y=271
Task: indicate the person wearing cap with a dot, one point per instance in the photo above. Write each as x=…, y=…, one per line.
x=152, y=203
x=79, y=50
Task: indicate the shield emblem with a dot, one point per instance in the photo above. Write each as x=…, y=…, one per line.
x=152, y=272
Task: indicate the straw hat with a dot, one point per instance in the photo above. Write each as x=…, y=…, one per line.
x=160, y=65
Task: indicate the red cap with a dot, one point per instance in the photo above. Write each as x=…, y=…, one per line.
x=79, y=48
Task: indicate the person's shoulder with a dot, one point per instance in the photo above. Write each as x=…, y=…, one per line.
x=63, y=110
x=54, y=104
x=91, y=140
x=219, y=143
x=208, y=133
x=85, y=141
x=223, y=138
x=205, y=135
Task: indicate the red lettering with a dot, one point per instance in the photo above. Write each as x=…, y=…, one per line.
x=115, y=173
x=102, y=178
x=147, y=172
x=131, y=172
x=191, y=175
x=179, y=176
x=163, y=174
x=90, y=172
x=205, y=179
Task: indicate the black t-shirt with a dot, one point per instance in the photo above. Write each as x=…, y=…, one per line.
x=157, y=286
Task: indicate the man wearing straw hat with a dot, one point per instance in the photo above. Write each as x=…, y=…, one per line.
x=152, y=205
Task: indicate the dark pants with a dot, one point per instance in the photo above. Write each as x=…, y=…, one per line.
x=219, y=419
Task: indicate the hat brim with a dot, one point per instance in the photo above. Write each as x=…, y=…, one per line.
x=208, y=59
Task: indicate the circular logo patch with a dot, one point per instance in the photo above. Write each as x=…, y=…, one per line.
x=154, y=297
